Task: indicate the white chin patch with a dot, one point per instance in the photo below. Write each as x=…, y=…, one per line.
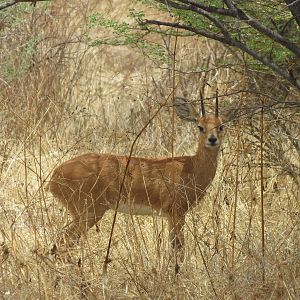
x=212, y=146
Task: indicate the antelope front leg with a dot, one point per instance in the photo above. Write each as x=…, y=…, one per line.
x=176, y=237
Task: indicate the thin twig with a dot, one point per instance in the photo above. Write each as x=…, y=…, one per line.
x=262, y=192
x=173, y=129
x=107, y=260
x=233, y=235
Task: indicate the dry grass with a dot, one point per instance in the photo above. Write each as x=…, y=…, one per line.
x=73, y=99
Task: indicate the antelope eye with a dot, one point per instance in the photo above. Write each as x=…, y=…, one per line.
x=221, y=127
x=200, y=128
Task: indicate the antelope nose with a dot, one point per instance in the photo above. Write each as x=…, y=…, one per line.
x=212, y=139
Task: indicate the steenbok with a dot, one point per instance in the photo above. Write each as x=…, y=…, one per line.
x=89, y=185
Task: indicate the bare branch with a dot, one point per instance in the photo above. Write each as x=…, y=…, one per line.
x=230, y=5
x=236, y=12
x=14, y=2
x=228, y=40
x=294, y=7
x=204, y=33
x=268, y=32
x=200, y=11
x=191, y=5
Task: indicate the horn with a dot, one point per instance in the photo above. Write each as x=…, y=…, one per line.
x=202, y=104
x=217, y=103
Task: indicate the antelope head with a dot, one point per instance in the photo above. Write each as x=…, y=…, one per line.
x=211, y=128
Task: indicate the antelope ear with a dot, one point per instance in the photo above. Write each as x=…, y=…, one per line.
x=185, y=110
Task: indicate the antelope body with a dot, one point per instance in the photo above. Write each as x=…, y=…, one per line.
x=89, y=185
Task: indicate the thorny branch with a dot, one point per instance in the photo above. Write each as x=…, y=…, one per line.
x=211, y=12
x=241, y=15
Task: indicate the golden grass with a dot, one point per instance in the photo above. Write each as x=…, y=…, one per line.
x=95, y=102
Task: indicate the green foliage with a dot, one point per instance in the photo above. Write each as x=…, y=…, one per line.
x=18, y=62
x=14, y=15
x=273, y=14
x=124, y=34
x=17, y=47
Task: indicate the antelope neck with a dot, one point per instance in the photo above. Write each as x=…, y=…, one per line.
x=207, y=159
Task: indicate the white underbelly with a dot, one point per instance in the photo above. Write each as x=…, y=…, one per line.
x=137, y=209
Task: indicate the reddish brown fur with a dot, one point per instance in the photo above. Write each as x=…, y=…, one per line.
x=89, y=185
